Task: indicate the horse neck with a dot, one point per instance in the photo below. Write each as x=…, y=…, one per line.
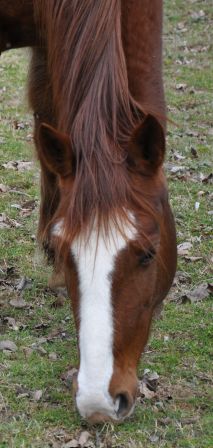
x=142, y=40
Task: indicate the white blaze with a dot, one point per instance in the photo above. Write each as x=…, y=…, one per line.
x=95, y=262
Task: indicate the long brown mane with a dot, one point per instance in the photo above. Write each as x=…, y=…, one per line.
x=91, y=100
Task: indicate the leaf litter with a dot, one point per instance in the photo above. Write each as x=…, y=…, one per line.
x=20, y=165
x=198, y=294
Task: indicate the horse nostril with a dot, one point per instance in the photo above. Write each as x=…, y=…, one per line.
x=124, y=404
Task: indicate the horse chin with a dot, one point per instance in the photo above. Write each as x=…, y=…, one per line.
x=98, y=419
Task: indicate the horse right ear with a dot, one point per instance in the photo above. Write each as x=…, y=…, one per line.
x=55, y=151
x=147, y=146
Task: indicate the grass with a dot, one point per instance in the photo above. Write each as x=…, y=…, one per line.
x=180, y=347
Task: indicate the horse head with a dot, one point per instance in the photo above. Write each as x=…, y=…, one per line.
x=116, y=274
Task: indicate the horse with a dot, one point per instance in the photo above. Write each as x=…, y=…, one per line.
x=96, y=91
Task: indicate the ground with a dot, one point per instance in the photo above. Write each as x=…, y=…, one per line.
x=36, y=406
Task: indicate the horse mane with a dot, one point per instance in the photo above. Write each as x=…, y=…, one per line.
x=92, y=104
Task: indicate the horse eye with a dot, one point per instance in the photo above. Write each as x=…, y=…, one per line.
x=146, y=257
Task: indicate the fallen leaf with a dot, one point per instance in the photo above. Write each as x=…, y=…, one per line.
x=210, y=288
x=10, y=165
x=6, y=222
x=194, y=153
x=27, y=352
x=192, y=259
x=154, y=438
x=197, y=15
x=24, y=395
x=41, y=351
x=37, y=395
x=22, y=391
x=27, y=207
x=3, y=188
x=178, y=156
x=24, y=283
x=3, y=221
x=208, y=179
x=84, y=437
x=12, y=323
x=18, y=303
x=68, y=377
x=191, y=133
x=181, y=86
x=181, y=277
x=183, y=248
x=18, y=165
x=8, y=345
x=20, y=125
x=148, y=384
x=189, y=420
x=201, y=292
x=174, y=168
x=71, y=444
x=53, y=356
x=145, y=391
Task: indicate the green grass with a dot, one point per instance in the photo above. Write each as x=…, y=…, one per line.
x=180, y=347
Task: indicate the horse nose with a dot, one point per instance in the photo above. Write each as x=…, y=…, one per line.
x=114, y=406
x=123, y=407
x=125, y=404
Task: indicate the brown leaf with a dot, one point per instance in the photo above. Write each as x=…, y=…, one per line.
x=18, y=165
x=183, y=248
x=197, y=15
x=193, y=259
x=12, y=323
x=210, y=288
x=6, y=222
x=8, y=345
x=11, y=165
x=18, y=303
x=53, y=356
x=68, y=377
x=192, y=133
x=37, y=395
x=181, y=277
x=189, y=420
x=27, y=207
x=145, y=391
x=148, y=384
x=154, y=438
x=181, y=87
x=71, y=444
x=174, y=168
x=201, y=292
x=3, y=221
x=84, y=437
x=3, y=188
x=178, y=156
x=20, y=125
x=27, y=352
x=208, y=179
x=194, y=152
x=24, y=283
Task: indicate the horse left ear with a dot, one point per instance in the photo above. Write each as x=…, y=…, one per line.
x=55, y=150
x=147, y=146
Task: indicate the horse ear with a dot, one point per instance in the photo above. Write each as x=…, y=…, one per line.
x=148, y=145
x=55, y=150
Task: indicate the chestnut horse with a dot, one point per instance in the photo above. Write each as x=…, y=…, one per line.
x=97, y=94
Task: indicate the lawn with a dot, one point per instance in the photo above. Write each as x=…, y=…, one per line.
x=36, y=406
